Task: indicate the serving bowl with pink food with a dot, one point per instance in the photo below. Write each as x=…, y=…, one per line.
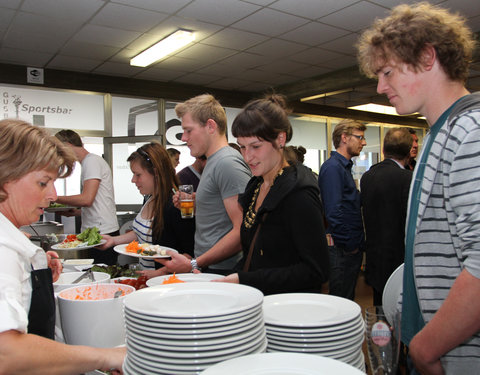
x=92, y=315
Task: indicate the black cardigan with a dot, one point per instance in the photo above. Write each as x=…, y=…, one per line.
x=290, y=253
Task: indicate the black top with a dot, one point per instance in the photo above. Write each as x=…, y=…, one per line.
x=177, y=233
x=290, y=254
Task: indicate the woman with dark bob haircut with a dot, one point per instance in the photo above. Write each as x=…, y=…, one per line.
x=31, y=161
x=282, y=234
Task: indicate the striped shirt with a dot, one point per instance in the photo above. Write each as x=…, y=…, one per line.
x=448, y=222
x=143, y=229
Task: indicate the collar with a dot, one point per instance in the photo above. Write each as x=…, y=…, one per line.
x=19, y=243
x=347, y=163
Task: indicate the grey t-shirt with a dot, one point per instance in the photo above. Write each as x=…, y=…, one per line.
x=226, y=174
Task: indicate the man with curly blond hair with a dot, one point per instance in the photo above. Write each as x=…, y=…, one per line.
x=420, y=55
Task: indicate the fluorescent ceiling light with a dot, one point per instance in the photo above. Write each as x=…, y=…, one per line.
x=161, y=49
x=313, y=97
x=376, y=108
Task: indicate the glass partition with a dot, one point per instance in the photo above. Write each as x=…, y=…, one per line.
x=132, y=116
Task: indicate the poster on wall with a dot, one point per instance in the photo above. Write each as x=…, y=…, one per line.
x=53, y=109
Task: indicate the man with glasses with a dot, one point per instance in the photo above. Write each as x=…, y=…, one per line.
x=341, y=200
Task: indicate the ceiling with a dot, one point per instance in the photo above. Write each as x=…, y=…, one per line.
x=298, y=47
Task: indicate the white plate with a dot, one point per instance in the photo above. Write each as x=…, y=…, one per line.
x=334, y=353
x=328, y=345
x=199, y=344
x=195, y=299
x=224, y=318
x=308, y=310
x=391, y=293
x=121, y=249
x=196, y=333
x=174, y=368
x=173, y=357
x=187, y=277
x=77, y=262
x=282, y=364
x=60, y=209
x=318, y=332
x=189, y=325
x=56, y=247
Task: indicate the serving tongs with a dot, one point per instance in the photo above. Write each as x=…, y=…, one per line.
x=88, y=273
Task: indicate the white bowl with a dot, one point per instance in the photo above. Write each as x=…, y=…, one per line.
x=66, y=278
x=96, y=320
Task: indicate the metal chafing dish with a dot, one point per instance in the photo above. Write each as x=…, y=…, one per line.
x=48, y=233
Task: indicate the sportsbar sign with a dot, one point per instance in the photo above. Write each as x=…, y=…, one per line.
x=53, y=109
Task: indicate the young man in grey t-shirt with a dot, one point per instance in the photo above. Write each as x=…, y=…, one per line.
x=218, y=215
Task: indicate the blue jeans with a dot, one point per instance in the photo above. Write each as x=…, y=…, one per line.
x=344, y=270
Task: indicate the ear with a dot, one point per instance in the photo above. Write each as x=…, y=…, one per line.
x=211, y=126
x=281, y=139
x=428, y=57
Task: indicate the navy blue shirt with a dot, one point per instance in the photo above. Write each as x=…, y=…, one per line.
x=341, y=200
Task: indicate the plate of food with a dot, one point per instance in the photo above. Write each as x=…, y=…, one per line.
x=144, y=250
x=89, y=238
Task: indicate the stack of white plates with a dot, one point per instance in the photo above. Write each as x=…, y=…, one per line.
x=187, y=327
x=315, y=324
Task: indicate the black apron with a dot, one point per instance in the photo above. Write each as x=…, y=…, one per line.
x=41, y=318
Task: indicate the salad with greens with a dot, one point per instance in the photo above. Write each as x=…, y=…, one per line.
x=91, y=236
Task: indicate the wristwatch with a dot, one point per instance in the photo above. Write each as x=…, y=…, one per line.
x=194, y=264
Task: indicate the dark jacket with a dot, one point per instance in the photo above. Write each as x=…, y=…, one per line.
x=384, y=191
x=290, y=253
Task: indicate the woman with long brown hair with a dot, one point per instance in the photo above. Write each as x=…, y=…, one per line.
x=158, y=222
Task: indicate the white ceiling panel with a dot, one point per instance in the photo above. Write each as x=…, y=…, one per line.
x=74, y=63
x=276, y=48
x=359, y=16
x=159, y=74
x=23, y=57
x=204, y=54
x=77, y=11
x=314, y=33
x=312, y=9
x=88, y=50
x=166, y=6
x=128, y=18
x=270, y=22
x=234, y=39
x=12, y=4
x=106, y=36
x=196, y=79
x=223, y=12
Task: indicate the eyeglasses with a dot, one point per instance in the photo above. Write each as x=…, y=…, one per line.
x=144, y=154
x=360, y=137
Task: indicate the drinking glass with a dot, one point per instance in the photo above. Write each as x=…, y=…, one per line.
x=187, y=203
x=383, y=340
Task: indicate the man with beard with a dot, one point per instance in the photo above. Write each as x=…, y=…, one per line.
x=342, y=204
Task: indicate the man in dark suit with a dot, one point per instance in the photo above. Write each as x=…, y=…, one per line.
x=384, y=192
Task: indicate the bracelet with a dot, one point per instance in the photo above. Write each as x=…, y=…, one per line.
x=194, y=264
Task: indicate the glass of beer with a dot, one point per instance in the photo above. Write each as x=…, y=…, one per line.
x=187, y=203
x=383, y=340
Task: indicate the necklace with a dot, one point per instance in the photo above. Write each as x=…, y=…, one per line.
x=251, y=214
